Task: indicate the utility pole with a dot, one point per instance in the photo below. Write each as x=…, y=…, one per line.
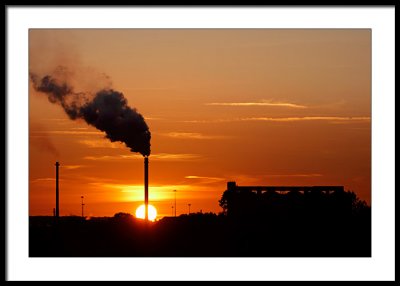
x=189, y=207
x=82, y=205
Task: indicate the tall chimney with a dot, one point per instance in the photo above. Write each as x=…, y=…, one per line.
x=57, y=204
x=146, y=188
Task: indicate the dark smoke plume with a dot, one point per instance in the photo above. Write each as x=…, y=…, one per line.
x=106, y=109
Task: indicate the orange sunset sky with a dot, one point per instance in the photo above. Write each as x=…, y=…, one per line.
x=255, y=106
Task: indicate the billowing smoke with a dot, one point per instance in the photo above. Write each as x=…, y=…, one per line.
x=106, y=109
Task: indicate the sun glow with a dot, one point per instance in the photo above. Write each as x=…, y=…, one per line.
x=152, y=212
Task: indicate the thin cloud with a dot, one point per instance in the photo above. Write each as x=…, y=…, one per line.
x=168, y=156
x=204, y=179
x=43, y=180
x=153, y=118
x=261, y=103
x=102, y=143
x=67, y=132
x=57, y=121
x=133, y=188
x=211, y=121
x=79, y=128
x=307, y=118
x=295, y=175
x=111, y=158
x=159, y=156
x=72, y=167
x=336, y=119
x=191, y=135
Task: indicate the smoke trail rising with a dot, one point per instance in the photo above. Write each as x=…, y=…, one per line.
x=105, y=109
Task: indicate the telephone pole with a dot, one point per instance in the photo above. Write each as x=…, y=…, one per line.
x=82, y=205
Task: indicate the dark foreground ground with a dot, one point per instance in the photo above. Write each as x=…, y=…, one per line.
x=198, y=235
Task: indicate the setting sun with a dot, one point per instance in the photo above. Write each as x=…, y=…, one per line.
x=152, y=212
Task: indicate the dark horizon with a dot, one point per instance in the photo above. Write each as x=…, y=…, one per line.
x=253, y=224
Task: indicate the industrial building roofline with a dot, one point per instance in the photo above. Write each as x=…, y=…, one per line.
x=234, y=187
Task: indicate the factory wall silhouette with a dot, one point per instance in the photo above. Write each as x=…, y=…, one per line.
x=321, y=221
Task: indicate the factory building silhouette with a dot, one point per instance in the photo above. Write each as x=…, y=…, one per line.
x=303, y=221
x=277, y=202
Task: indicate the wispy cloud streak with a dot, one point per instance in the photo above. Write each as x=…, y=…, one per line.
x=203, y=177
x=204, y=180
x=72, y=167
x=43, y=180
x=67, y=132
x=343, y=119
x=261, y=103
x=295, y=175
x=191, y=135
x=307, y=118
x=159, y=156
x=101, y=143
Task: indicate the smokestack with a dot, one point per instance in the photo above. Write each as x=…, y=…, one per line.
x=57, y=203
x=146, y=188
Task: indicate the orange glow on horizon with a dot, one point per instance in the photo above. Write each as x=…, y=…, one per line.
x=255, y=106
